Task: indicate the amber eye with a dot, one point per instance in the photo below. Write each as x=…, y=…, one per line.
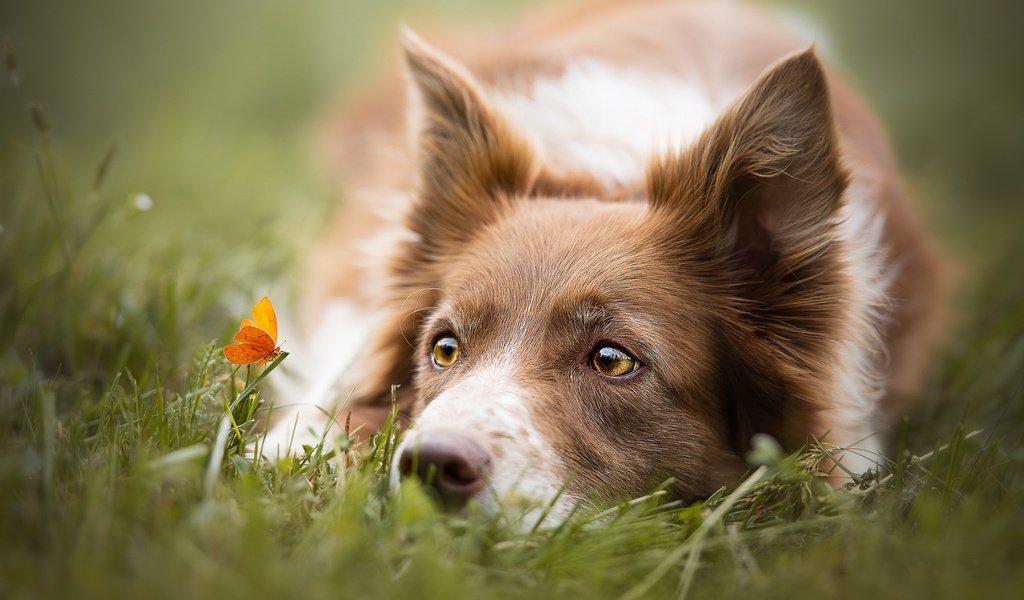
x=612, y=362
x=446, y=351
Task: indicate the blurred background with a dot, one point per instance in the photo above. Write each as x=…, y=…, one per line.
x=173, y=147
x=215, y=106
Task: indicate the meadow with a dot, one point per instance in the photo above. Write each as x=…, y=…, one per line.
x=162, y=167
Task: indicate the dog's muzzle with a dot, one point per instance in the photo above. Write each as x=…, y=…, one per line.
x=450, y=463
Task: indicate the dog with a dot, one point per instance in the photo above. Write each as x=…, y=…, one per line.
x=602, y=248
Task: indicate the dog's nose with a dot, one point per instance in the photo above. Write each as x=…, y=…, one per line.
x=451, y=463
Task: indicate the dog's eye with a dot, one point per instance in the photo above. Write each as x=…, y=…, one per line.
x=446, y=351
x=612, y=362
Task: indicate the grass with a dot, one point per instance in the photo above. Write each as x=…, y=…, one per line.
x=122, y=428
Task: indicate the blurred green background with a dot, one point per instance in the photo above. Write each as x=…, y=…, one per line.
x=215, y=105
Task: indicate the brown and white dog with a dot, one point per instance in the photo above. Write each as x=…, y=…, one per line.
x=606, y=246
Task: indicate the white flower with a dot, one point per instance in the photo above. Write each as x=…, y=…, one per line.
x=143, y=202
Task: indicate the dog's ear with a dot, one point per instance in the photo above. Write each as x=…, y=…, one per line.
x=752, y=206
x=470, y=160
x=470, y=166
x=763, y=182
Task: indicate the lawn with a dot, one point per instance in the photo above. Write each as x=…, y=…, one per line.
x=161, y=169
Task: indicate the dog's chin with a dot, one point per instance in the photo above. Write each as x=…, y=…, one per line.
x=525, y=513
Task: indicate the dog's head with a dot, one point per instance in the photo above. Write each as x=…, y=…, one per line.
x=552, y=335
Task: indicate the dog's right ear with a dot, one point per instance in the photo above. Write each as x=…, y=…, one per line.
x=470, y=161
x=470, y=166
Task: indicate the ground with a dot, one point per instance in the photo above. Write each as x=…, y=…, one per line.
x=160, y=170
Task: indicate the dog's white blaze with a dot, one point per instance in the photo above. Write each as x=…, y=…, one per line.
x=489, y=407
x=608, y=121
x=313, y=392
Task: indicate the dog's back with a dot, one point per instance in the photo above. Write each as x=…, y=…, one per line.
x=595, y=93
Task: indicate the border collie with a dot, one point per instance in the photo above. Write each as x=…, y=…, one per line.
x=602, y=248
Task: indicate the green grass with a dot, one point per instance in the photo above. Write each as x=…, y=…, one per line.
x=122, y=428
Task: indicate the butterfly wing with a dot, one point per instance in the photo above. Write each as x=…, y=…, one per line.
x=243, y=354
x=265, y=318
x=254, y=345
x=255, y=336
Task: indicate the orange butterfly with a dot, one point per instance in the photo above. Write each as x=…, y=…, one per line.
x=257, y=338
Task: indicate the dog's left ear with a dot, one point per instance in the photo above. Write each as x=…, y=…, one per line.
x=752, y=207
x=470, y=161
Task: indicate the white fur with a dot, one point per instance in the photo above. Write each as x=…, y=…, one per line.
x=859, y=380
x=525, y=472
x=314, y=394
x=607, y=120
